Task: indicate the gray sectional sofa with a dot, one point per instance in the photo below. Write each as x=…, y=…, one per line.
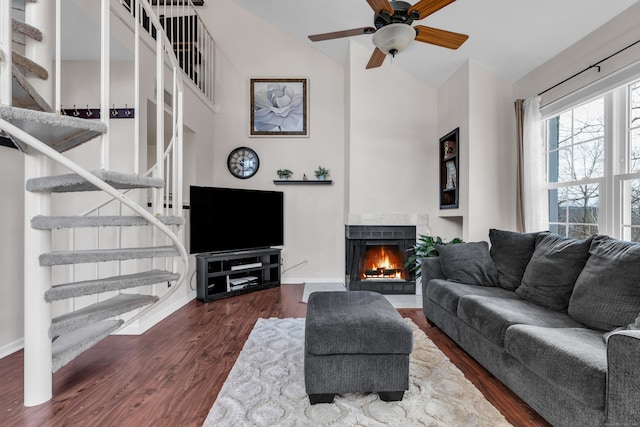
x=557, y=320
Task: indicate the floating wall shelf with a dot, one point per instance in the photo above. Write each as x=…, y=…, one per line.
x=302, y=182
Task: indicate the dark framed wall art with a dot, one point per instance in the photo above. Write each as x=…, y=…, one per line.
x=279, y=107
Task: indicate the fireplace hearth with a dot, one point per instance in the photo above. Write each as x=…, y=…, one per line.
x=376, y=257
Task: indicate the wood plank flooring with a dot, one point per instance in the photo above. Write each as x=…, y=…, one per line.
x=171, y=375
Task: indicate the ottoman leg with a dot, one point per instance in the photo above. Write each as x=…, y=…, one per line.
x=391, y=396
x=322, y=398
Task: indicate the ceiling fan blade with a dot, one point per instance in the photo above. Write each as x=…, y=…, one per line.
x=377, y=58
x=380, y=5
x=427, y=7
x=438, y=37
x=340, y=34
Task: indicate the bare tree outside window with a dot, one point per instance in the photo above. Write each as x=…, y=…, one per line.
x=576, y=153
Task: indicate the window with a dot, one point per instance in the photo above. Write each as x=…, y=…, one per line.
x=589, y=192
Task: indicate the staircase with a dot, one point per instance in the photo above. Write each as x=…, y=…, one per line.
x=132, y=250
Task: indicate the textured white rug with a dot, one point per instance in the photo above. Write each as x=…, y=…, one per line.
x=266, y=388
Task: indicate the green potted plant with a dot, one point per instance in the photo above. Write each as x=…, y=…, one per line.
x=284, y=173
x=424, y=248
x=321, y=173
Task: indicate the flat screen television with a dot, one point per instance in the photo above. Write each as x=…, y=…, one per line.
x=227, y=219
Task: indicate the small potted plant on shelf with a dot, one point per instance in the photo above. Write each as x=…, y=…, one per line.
x=321, y=173
x=284, y=173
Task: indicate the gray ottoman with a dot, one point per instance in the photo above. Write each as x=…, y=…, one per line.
x=355, y=342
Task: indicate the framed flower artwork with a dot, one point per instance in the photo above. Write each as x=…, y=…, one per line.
x=279, y=107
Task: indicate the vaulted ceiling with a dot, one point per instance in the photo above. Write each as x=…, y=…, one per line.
x=511, y=37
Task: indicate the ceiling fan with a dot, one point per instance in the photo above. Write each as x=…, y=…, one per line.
x=392, y=31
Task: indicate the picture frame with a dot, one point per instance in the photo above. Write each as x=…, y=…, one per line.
x=279, y=107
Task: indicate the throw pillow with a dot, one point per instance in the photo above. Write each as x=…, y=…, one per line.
x=607, y=293
x=552, y=272
x=468, y=263
x=511, y=253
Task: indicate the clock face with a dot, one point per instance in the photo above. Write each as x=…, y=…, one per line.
x=243, y=162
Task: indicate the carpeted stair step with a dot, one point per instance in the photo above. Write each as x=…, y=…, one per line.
x=29, y=66
x=73, y=182
x=41, y=222
x=108, y=284
x=112, y=307
x=59, y=132
x=66, y=348
x=103, y=255
x=28, y=30
x=24, y=95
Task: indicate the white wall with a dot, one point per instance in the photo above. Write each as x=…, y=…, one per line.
x=392, y=138
x=479, y=102
x=314, y=233
x=12, y=249
x=611, y=37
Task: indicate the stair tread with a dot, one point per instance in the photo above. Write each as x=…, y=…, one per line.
x=73, y=182
x=24, y=95
x=108, y=284
x=123, y=303
x=59, y=132
x=29, y=65
x=66, y=348
x=22, y=27
x=103, y=255
x=42, y=222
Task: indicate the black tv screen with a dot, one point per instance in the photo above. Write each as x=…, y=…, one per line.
x=224, y=219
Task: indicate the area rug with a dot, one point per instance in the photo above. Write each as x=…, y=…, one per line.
x=266, y=388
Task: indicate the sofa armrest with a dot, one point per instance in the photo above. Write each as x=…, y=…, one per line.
x=623, y=378
x=430, y=269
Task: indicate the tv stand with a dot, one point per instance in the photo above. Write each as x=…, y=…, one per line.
x=224, y=274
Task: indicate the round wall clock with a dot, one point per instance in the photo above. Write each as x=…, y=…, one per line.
x=243, y=162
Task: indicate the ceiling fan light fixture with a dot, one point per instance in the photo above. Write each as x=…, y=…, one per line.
x=393, y=38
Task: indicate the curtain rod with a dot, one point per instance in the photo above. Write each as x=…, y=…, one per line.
x=596, y=65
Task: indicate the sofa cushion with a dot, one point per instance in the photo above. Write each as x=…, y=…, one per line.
x=552, y=272
x=607, y=293
x=447, y=294
x=511, y=253
x=468, y=263
x=492, y=316
x=572, y=359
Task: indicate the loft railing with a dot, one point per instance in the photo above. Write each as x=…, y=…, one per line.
x=192, y=43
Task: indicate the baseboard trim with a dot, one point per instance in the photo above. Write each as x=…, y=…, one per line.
x=11, y=348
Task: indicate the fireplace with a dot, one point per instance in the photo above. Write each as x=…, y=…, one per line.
x=376, y=258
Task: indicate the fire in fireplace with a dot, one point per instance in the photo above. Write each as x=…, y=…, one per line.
x=376, y=258
x=383, y=262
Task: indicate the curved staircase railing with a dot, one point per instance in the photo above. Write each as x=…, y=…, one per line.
x=50, y=343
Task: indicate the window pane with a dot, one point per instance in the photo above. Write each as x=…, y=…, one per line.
x=588, y=121
x=565, y=128
x=564, y=168
x=582, y=204
x=634, y=151
x=634, y=105
x=588, y=159
x=635, y=202
x=582, y=231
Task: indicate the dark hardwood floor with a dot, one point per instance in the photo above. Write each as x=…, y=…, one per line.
x=171, y=375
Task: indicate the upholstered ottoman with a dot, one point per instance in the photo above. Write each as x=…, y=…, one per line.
x=355, y=342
